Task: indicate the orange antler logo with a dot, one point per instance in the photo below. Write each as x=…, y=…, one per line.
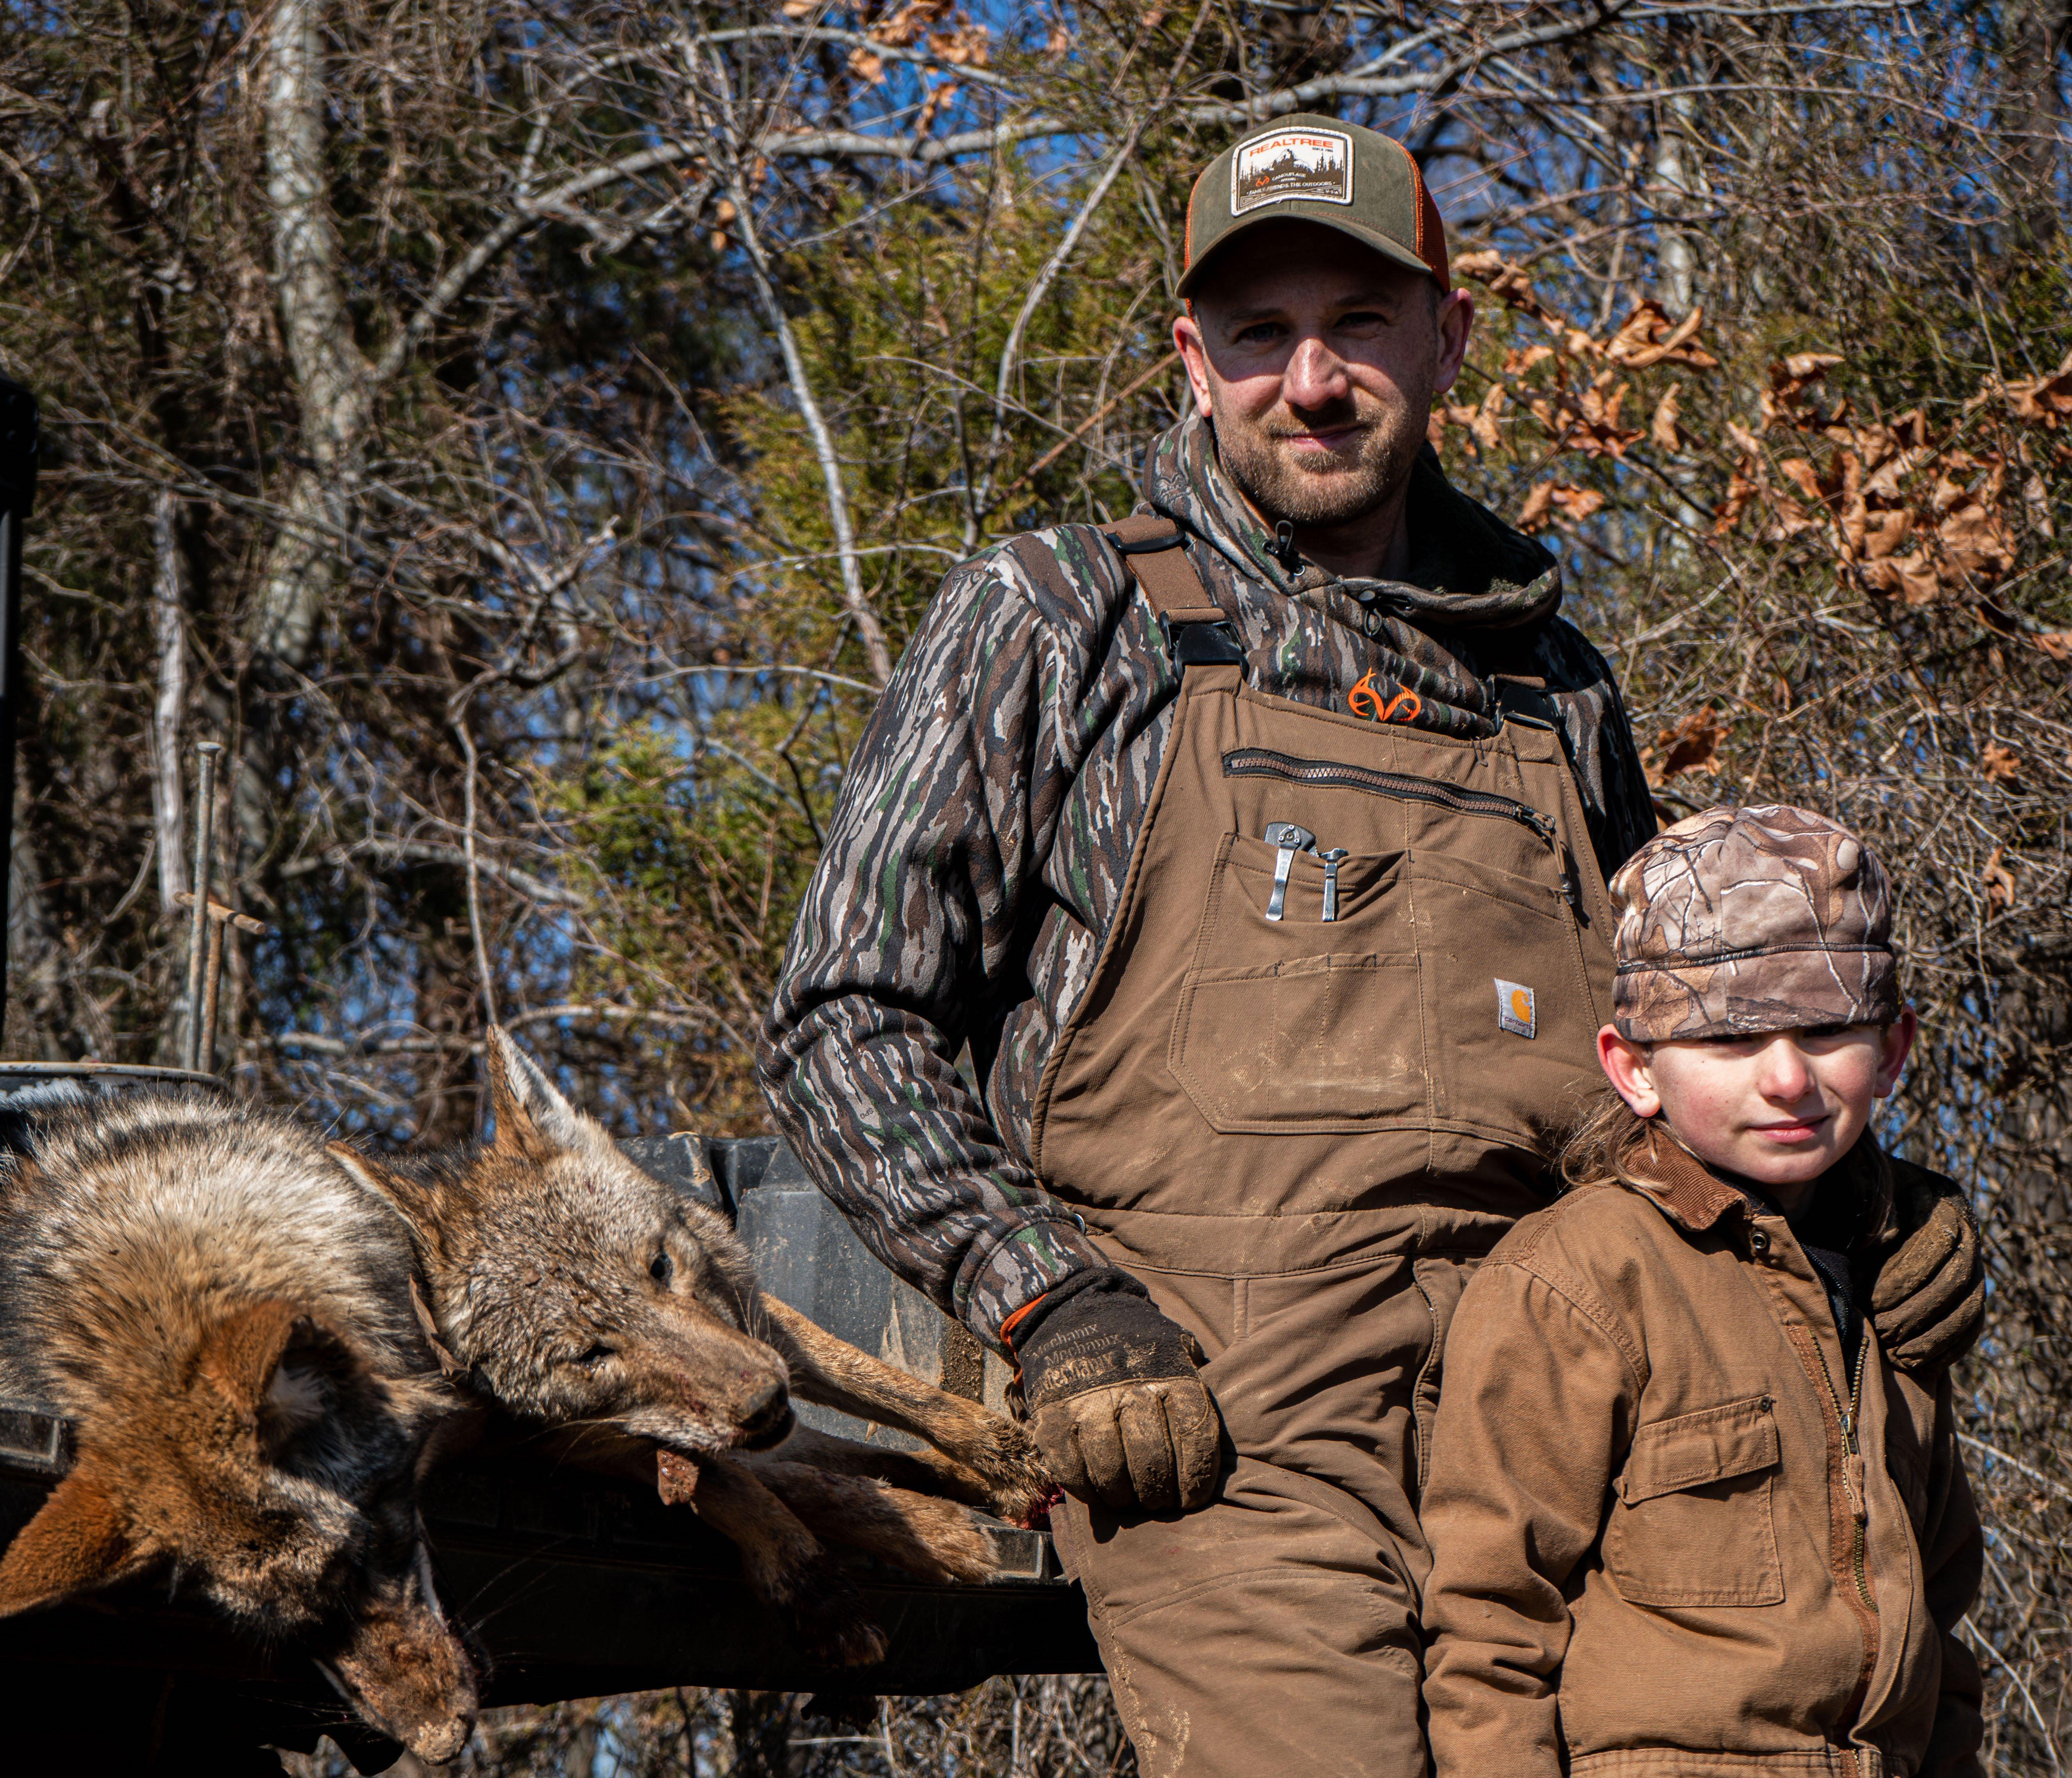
x=1364, y=700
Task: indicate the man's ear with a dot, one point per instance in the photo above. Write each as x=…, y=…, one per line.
x=1194, y=358
x=1455, y=320
x=1626, y=1066
x=528, y=1106
x=79, y=1541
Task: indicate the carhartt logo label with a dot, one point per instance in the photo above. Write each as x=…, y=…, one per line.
x=1316, y=164
x=1514, y=1007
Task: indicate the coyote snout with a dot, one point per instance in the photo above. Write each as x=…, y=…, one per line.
x=227, y=1322
x=401, y=1668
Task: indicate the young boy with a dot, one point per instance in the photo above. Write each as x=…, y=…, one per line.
x=1685, y=1517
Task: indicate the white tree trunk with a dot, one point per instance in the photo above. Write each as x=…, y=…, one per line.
x=1678, y=283
x=169, y=818
x=331, y=375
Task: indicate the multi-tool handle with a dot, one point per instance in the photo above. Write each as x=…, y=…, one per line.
x=1289, y=838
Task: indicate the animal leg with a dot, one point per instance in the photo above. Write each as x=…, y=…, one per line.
x=780, y=1555
x=936, y=1539
x=834, y=1374
x=922, y=1472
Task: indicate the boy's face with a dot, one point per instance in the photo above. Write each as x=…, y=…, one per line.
x=1779, y=1109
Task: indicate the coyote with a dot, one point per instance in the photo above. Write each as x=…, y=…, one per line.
x=227, y=1323
x=572, y=1291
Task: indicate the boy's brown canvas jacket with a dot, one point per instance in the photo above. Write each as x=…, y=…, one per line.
x=1671, y=1532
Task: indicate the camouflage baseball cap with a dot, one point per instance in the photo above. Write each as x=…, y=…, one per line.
x=1357, y=181
x=1741, y=921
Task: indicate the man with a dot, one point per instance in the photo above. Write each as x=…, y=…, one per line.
x=1256, y=846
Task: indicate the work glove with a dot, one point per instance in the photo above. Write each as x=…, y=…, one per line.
x=1930, y=1295
x=1113, y=1398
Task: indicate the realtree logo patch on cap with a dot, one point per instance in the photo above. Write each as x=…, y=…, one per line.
x=1315, y=164
x=1514, y=1007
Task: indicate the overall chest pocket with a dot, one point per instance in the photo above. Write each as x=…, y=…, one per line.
x=1448, y=991
x=1291, y=1022
x=1691, y=1522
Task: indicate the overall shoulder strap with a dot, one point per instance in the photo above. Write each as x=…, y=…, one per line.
x=1153, y=551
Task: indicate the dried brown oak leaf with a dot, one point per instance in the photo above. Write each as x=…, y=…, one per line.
x=1690, y=746
x=1556, y=503
x=1647, y=336
x=1587, y=420
x=905, y=27
x=1743, y=486
x=1507, y=283
x=1998, y=880
x=2000, y=763
x=1662, y=429
x=2046, y=401
x=968, y=46
x=1790, y=380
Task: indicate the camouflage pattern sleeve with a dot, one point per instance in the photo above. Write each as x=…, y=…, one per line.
x=913, y=934
x=1600, y=747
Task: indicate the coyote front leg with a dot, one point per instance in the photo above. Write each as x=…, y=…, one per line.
x=834, y=1374
x=783, y=1562
x=936, y=1539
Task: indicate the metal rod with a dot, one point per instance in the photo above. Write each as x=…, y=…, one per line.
x=208, y=998
x=198, y=935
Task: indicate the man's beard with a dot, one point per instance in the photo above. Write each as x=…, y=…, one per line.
x=1318, y=487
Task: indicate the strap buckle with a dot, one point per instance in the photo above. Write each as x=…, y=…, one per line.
x=1527, y=705
x=1197, y=644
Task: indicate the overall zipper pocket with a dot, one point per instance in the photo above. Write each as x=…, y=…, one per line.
x=1335, y=774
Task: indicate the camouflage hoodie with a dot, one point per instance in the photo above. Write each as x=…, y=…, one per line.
x=978, y=853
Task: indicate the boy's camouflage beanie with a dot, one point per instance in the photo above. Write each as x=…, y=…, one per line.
x=1739, y=920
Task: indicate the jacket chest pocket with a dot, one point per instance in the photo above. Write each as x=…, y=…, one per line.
x=1691, y=1523
x=1289, y=1022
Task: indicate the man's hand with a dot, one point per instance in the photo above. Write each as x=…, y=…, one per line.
x=1929, y=1296
x=1114, y=1400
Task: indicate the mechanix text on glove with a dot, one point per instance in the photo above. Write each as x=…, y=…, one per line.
x=1115, y=1401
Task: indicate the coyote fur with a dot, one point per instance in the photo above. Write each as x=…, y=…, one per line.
x=574, y=1291
x=226, y=1321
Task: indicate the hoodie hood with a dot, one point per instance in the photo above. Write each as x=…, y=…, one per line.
x=1480, y=604
x=1468, y=569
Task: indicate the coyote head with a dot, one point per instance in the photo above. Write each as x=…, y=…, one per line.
x=273, y=1470
x=573, y=1288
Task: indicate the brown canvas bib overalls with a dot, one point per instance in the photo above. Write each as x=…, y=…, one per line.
x=1305, y=1090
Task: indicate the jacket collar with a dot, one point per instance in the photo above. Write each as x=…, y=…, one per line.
x=1688, y=1191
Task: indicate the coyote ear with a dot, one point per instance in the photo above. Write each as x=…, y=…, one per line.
x=410, y=1199
x=240, y=1352
x=272, y=1361
x=525, y=1102
x=78, y=1541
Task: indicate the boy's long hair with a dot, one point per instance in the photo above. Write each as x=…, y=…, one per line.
x=1610, y=1142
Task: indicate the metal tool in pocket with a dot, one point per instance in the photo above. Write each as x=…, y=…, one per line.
x=1289, y=840
x=1336, y=856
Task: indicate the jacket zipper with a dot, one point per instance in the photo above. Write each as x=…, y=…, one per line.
x=1846, y=1415
x=1850, y=1448
x=1334, y=774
